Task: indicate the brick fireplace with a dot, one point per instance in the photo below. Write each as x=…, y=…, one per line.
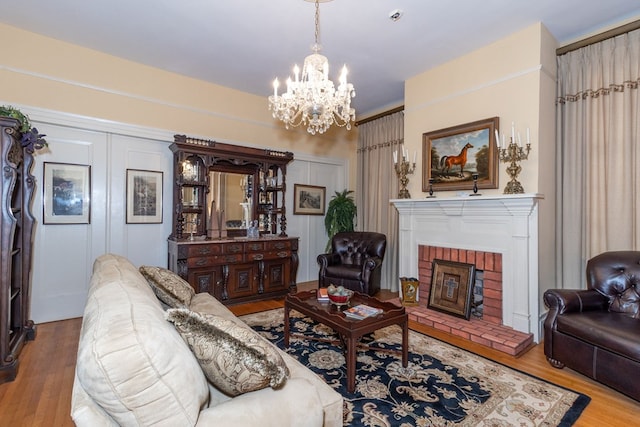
x=489, y=263
x=486, y=330
x=498, y=234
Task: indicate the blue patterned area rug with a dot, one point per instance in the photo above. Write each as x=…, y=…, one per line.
x=442, y=385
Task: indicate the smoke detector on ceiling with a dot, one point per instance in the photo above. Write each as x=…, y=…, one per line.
x=395, y=15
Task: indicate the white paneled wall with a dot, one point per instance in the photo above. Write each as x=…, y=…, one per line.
x=64, y=254
x=329, y=173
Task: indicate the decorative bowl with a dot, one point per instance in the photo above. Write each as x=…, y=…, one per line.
x=341, y=299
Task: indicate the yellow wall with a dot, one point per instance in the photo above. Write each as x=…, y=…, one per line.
x=513, y=79
x=504, y=79
x=50, y=74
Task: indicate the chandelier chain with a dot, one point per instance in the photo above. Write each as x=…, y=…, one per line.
x=317, y=34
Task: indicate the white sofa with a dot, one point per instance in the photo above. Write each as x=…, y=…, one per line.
x=135, y=369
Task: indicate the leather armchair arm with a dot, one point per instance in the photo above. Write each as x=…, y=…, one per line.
x=371, y=263
x=369, y=267
x=561, y=301
x=325, y=260
x=564, y=301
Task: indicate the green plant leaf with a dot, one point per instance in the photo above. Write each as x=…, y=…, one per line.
x=341, y=214
x=14, y=113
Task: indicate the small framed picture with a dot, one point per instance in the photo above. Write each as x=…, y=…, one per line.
x=308, y=199
x=452, y=287
x=144, y=197
x=66, y=193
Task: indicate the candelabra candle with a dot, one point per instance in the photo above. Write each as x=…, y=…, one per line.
x=513, y=154
x=404, y=168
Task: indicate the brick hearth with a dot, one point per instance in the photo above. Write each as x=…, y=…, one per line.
x=501, y=338
x=488, y=331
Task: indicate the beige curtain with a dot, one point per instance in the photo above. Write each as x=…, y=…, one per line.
x=377, y=183
x=598, y=160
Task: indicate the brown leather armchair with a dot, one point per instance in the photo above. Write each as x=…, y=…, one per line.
x=597, y=331
x=355, y=261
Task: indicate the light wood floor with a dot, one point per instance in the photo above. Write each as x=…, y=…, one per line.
x=41, y=395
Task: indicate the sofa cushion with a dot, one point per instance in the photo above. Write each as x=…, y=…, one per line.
x=170, y=288
x=234, y=358
x=344, y=271
x=132, y=362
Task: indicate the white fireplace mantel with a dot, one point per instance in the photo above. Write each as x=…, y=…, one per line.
x=505, y=224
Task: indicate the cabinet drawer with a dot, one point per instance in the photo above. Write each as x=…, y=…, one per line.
x=233, y=248
x=278, y=245
x=277, y=254
x=204, y=250
x=213, y=260
x=255, y=247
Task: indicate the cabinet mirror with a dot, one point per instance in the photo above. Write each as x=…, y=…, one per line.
x=231, y=196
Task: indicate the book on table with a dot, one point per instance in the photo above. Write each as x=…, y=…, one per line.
x=362, y=311
x=323, y=295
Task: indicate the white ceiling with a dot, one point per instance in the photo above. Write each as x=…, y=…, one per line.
x=244, y=44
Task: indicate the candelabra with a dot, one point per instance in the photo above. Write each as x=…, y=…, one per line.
x=513, y=154
x=404, y=168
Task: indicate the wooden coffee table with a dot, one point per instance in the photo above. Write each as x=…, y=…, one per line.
x=349, y=330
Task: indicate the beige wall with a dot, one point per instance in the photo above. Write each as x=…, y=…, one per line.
x=504, y=79
x=513, y=79
x=50, y=74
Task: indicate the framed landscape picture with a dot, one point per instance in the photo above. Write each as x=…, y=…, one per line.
x=66, y=193
x=144, y=197
x=308, y=199
x=452, y=287
x=453, y=155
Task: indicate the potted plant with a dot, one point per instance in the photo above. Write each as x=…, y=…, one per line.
x=341, y=214
x=30, y=138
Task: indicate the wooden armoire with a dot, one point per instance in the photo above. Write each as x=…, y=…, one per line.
x=16, y=240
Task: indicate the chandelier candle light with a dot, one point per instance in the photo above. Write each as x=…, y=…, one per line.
x=513, y=153
x=311, y=99
x=403, y=169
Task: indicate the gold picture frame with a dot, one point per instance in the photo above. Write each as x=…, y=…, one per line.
x=453, y=155
x=452, y=287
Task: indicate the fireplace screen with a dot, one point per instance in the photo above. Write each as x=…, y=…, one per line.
x=452, y=287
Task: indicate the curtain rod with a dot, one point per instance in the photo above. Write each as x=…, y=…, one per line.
x=599, y=37
x=377, y=116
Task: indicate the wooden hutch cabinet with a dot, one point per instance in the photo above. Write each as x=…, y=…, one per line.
x=16, y=238
x=220, y=191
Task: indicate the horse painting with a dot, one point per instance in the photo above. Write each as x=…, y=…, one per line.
x=446, y=162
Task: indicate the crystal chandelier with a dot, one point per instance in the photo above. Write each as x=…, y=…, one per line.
x=312, y=99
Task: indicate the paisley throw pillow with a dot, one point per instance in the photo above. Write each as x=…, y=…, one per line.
x=235, y=359
x=170, y=288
